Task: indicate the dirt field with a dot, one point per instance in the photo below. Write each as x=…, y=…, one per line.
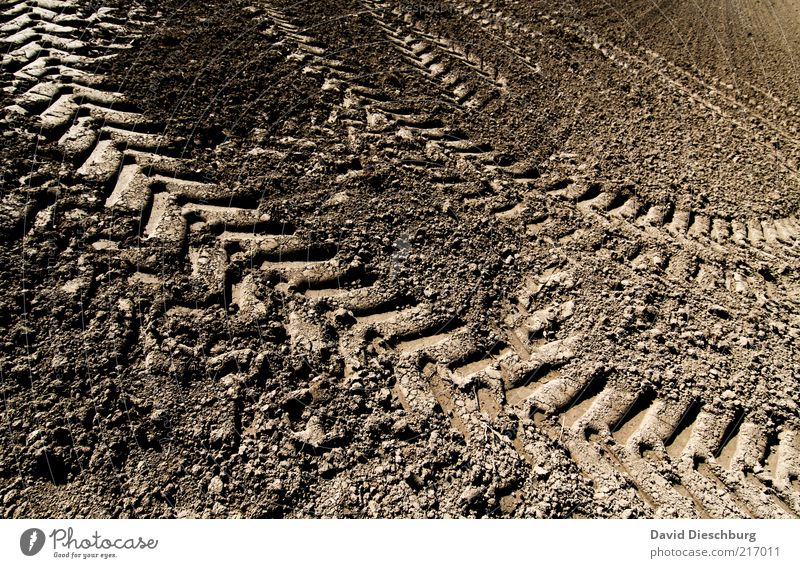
x=383, y=258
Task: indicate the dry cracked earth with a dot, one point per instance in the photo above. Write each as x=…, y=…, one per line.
x=393, y=258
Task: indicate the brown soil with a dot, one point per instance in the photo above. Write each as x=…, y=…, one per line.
x=366, y=258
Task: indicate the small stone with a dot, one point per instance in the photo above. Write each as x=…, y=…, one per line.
x=719, y=311
x=216, y=486
x=10, y=497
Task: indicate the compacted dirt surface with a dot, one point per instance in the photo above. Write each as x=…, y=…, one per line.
x=378, y=258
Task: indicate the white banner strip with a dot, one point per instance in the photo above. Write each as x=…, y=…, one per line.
x=369, y=544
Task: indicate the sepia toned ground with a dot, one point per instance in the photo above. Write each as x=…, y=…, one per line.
x=377, y=258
